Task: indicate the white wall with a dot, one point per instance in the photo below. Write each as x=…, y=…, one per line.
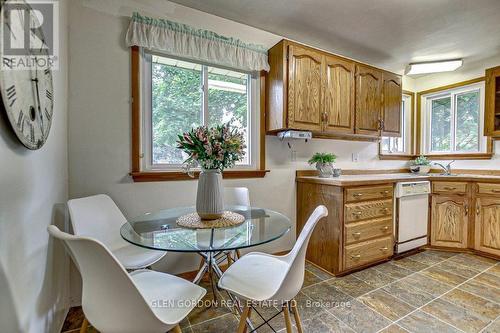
x=99, y=121
x=34, y=269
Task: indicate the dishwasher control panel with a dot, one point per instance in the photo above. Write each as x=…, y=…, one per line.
x=412, y=188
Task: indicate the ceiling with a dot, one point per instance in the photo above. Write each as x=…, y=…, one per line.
x=385, y=33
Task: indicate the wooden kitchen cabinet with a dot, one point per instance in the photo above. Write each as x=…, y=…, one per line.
x=492, y=103
x=368, y=100
x=358, y=230
x=305, y=72
x=449, y=221
x=324, y=245
x=331, y=96
x=487, y=225
x=391, y=110
x=339, y=96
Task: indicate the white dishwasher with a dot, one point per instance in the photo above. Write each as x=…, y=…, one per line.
x=412, y=214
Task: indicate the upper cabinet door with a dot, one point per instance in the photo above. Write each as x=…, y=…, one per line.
x=368, y=100
x=492, y=105
x=391, y=112
x=339, y=96
x=304, y=88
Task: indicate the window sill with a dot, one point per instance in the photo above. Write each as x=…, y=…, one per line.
x=160, y=176
x=474, y=156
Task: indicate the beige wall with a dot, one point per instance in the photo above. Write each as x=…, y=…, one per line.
x=99, y=121
x=34, y=269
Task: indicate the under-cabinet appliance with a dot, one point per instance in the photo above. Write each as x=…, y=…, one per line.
x=412, y=214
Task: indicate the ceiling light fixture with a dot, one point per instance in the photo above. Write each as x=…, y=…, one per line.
x=434, y=66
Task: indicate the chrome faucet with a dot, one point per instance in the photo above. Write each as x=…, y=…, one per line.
x=446, y=169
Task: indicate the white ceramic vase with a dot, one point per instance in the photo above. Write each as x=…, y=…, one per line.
x=209, y=198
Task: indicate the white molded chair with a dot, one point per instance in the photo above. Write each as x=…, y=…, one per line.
x=115, y=301
x=236, y=196
x=98, y=217
x=264, y=277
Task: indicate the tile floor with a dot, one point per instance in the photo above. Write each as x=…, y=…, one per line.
x=428, y=292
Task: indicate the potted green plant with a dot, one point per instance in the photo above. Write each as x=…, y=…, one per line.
x=421, y=165
x=212, y=149
x=324, y=163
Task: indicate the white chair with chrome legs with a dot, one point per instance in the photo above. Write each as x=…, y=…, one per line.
x=115, y=301
x=236, y=196
x=239, y=196
x=98, y=217
x=263, y=277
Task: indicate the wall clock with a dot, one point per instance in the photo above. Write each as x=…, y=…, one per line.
x=27, y=95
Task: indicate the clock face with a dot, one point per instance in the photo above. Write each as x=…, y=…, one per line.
x=27, y=97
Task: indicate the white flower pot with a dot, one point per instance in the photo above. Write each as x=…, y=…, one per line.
x=209, y=198
x=421, y=169
x=325, y=170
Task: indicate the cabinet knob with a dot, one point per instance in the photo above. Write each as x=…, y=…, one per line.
x=478, y=210
x=357, y=213
x=385, y=192
x=357, y=195
x=385, y=228
x=450, y=188
x=356, y=234
x=384, y=249
x=356, y=256
x=495, y=190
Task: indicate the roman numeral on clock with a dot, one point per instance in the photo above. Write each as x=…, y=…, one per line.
x=47, y=114
x=46, y=71
x=48, y=94
x=32, y=133
x=20, y=118
x=11, y=95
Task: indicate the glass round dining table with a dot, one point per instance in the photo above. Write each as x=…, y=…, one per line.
x=160, y=231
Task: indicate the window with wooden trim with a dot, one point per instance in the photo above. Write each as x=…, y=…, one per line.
x=449, y=124
x=452, y=121
x=172, y=95
x=402, y=145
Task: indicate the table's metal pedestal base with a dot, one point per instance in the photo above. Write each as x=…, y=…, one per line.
x=211, y=264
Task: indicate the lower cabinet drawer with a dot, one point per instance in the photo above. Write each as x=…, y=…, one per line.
x=362, y=231
x=368, y=210
x=486, y=188
x=367, y=252
x=449, y=187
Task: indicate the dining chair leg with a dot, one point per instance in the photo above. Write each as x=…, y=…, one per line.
x=85, y=324
x=242, y=328
x=229, y=259
x=288, y=322
x=238, y=254
x=177, y=329
x=295, y=311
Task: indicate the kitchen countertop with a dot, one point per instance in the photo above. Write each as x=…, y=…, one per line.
x=373, y=179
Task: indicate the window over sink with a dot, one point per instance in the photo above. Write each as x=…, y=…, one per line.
x=452, y=121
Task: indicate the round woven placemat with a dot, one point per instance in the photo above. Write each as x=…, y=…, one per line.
x=193, y=221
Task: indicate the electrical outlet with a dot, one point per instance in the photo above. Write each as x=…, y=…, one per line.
x=355, y=157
